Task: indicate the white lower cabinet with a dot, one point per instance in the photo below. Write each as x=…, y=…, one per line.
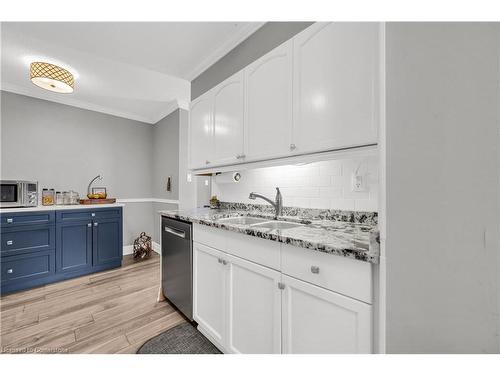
x=254, y=300
x=318, y=321
x=245, y=307
x=209, y=292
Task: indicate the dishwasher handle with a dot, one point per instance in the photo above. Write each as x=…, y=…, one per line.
x=175, y=232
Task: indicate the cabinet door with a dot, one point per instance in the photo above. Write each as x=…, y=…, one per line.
x=209, y=282
x=201, y=131
x=107, y=241
x=254, y=308
x=335, y=86
x=74, y=246
x=269, y=104
x=228, y=121
x=316, y=320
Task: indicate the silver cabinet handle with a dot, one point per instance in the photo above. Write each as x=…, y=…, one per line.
x=96, y=224
x=10, y=270
x=10, y=220
x=292, y=146
x=10, y=242
x=92, y=214
x=175, y=232
x=281, y=285
x=89, y=224
x=238, y=156
x=314, y=269
x=224, y=262
x=219, y=260
x=242, y=156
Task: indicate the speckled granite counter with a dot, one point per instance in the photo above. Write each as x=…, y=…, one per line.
x=355, y=238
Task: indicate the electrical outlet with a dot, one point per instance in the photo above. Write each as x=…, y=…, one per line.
x=358, y=182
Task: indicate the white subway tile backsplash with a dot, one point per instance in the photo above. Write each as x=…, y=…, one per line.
x=325, y=184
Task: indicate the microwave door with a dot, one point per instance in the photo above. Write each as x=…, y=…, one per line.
x=10, y=194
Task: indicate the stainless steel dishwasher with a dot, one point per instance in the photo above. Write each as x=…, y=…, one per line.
x=177, y=264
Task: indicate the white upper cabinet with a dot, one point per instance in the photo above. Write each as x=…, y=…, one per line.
x=316, y=92
x=201, y=132
x=335, y=86
x=268, y=96
x=228, y=120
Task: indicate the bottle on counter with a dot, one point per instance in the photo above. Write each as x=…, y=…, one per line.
x=48, y=197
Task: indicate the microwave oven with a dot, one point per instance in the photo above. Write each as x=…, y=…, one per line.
x=18, y=193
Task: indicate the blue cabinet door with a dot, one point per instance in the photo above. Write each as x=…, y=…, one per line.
x=74, y=246
x=107, y=238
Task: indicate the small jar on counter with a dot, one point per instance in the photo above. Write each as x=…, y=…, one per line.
x=48, y=197
x=66, y=197
x=59, y=198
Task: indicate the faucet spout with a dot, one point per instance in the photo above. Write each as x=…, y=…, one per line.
x=277, y=203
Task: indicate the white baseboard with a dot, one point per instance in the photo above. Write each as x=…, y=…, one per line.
x=129, y=249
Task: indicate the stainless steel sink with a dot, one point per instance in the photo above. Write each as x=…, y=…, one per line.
x=277, y=225
x=242, y=220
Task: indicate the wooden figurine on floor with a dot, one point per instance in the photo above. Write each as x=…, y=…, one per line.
x=142, y=247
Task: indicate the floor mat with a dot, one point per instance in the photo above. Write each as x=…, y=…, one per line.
x=182, y=339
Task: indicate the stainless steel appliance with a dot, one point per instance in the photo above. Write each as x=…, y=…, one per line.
x=18, y=193
x=177, y=264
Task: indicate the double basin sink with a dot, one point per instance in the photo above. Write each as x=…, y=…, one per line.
x=257, y=222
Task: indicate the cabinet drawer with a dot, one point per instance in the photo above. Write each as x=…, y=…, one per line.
x=22, y=239
x=258, y=250
x=20, y=268
x=346, y=276
x=26, y=218
x=88, y=214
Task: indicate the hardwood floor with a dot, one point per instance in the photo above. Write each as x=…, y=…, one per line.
x=109, y=312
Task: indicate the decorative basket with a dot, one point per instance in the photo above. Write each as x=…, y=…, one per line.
x=142, y=247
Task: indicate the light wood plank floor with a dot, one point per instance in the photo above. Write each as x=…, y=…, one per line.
x=108, y=312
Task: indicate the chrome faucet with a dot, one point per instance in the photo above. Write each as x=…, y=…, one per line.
x=277, y=204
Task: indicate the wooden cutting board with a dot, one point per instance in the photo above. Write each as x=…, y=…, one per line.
x=97, y=201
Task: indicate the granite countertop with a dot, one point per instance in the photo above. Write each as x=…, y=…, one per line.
x=58, y=207
x=357, y=240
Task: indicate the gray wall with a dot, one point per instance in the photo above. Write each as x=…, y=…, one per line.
x=269, y=36
x=166, y=156
x=64, y=147
x=442, y=187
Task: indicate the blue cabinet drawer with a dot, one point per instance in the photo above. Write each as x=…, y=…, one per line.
x=26, y=218
x=21, y=268
x=88, y=214
x=23, y=239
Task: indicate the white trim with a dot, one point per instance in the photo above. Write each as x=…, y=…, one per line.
x=75, y=103
x=145, y=200
x=129, y=249
x=295, y=159
x=225, y=48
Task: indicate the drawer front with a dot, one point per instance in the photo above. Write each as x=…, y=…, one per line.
x=346, y=276
x=27, y=239
x=209, y=236
x=88, y=214
x=257, y=250
x=26, y=218
x=20, y=268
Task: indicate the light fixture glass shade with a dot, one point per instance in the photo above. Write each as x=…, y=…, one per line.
x=52, y=77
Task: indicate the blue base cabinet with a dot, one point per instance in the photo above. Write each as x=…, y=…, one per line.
x=39, y=248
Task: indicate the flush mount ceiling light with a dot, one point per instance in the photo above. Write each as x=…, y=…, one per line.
x=52, y=77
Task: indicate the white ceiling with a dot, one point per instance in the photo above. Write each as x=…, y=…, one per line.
x=140, y=71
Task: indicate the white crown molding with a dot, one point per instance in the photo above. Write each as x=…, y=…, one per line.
x=16, y=89
x=218, y=53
